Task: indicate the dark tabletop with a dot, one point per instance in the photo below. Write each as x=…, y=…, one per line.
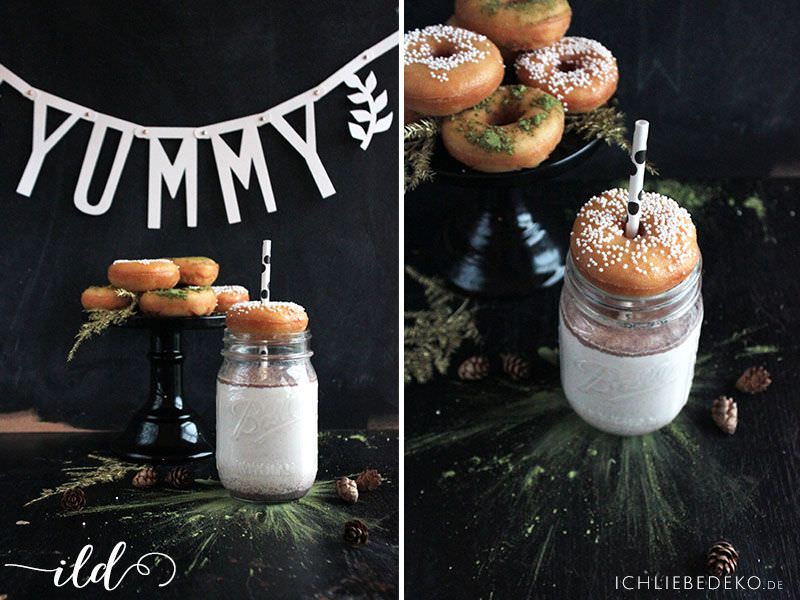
x=222, y=548
x=509, y=495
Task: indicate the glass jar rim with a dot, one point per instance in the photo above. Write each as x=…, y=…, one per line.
x=276, y=347
x=274, y=339
x=634, y=311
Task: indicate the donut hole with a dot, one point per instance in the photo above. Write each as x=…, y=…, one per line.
x=568, y=66
x=505, y=115
x=444, y=51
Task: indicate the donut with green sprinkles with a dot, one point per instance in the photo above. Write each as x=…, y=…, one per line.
x=517, y=127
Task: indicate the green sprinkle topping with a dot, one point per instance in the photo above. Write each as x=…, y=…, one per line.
x=529, y=125
x=191, y=258
x=546, y=102
x=491, y=139
x=518, y=90
x=180, y=293
x=491, y=7
x=482, y=105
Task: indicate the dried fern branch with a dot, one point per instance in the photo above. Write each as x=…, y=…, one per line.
x=109, y=470
x=419, y=141
x=606, y=123
x=432, y=336
x=100, y=320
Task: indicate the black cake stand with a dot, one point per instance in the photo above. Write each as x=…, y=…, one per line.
x=498, y=244
x=165, y=429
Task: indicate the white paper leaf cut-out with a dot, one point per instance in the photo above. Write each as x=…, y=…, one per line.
x=357, y=131
x=381, y=100
x=353, y=81
x=370, y=117
x=371, y=82
x=358, y=98
x=383, y=123
x=362, y=116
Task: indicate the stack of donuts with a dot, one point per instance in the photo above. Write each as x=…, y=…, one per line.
x=165, y=287
x=456, y=70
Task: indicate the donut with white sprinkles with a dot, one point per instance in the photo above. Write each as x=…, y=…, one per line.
x=662, y=255
x=266, y=318
x=580, y=72
x=448, y=69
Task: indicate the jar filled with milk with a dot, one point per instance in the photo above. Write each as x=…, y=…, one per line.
x=267, y=416
x=630, y=314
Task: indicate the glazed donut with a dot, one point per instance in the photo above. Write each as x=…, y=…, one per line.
x=179, y=302
x=105, y=297
x=197, y=270
x=228, y=295
x=447, y=69
x=143, y=275
x=516, y=24
x=266, y=319
x=580, y=72
x=662, y=255
x=517, y=127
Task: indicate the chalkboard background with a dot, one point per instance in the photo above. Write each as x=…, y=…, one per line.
x=174, y=63
x=718, y=81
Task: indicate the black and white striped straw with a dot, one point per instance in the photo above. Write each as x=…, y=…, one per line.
x=636, y=183
x=266, y=252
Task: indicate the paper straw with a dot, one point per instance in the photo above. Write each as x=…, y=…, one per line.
x=636, y=183
x=266, y=252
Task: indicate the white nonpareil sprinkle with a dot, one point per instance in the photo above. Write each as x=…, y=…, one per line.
x=667, y=230
x=219, y=289
x=593, y=62
x=463, y=46
x=258, y=306
x=144, y=261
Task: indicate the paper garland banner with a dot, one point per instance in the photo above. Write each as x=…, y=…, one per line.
x=229, y=162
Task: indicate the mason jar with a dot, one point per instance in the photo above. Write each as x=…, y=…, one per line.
x=267, y=417
x=627, y=363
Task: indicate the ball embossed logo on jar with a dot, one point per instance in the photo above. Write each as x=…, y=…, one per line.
x=252, y=418
x=618, y=384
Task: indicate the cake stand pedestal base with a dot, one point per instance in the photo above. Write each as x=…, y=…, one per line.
x=166, y=430
x=498, y=247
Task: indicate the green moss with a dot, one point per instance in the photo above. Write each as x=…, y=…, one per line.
x=755, y=204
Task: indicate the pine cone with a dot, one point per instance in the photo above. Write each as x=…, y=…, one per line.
x=73, y=499
x=369, y=480
x=722, y=559
x=725, y=414
x=356, y=533
x=145, y=478
x=754, y=380
x=179, y=478
x=515, y=366
x=347, y=490
x=474, y=368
